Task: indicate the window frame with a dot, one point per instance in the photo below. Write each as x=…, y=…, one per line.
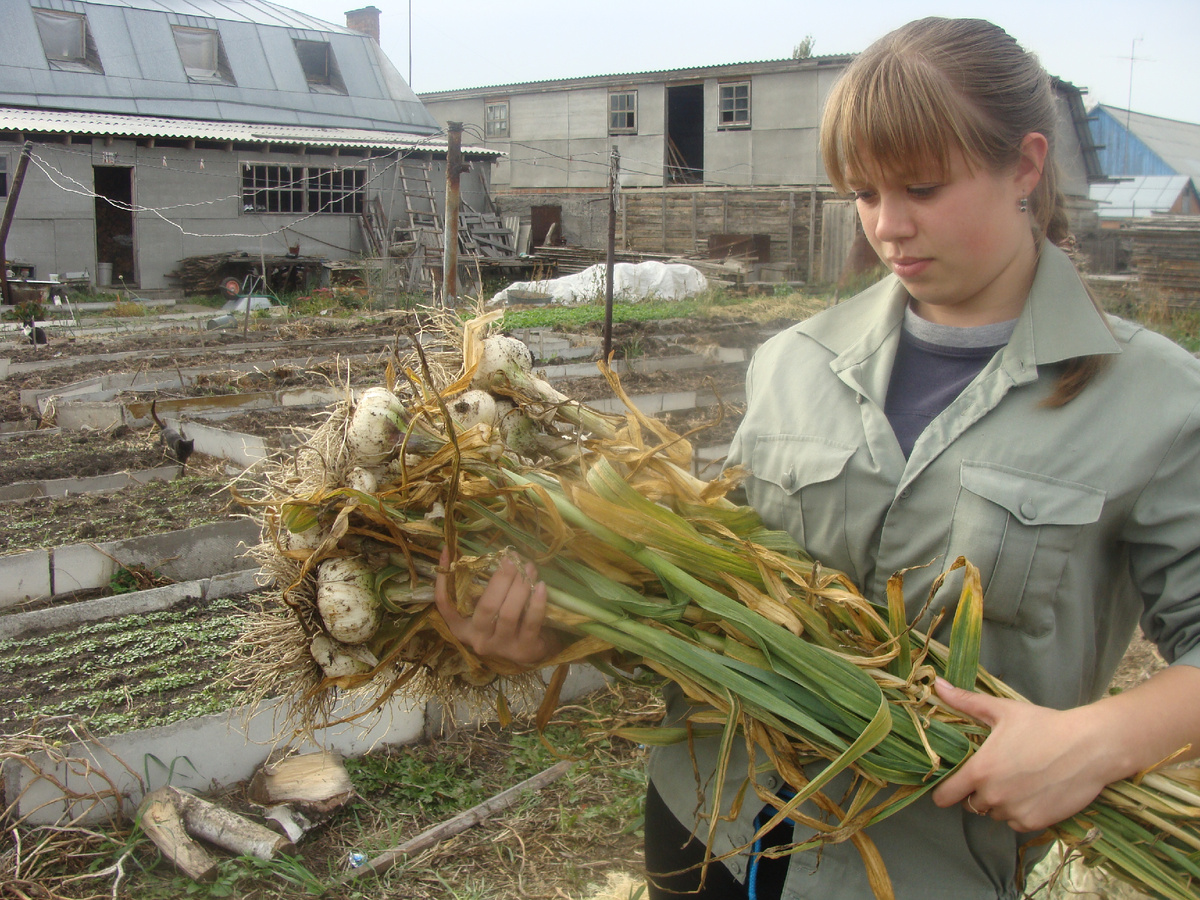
x=221, y=73
x=88, y=59
x=727, y=105
x=495, y=126
x=630, y=112
x=329, y=82
x=297, y=189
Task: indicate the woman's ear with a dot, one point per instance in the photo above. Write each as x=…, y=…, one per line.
x=1034, y=150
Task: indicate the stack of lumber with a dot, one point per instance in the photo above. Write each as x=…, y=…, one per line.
x=1166, y=256
x=569, y=260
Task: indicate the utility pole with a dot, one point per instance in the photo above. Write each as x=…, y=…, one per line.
x=10, y=208
x=614, y=186
x=454, y=170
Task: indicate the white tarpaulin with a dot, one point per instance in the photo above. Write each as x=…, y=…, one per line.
x=631, y=283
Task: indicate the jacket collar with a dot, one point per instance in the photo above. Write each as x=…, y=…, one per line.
x=1059, y=322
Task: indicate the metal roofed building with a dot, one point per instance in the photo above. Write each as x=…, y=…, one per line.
x=1143, y=196
x=710, y=156
x=1133, y=143
x=164, y=129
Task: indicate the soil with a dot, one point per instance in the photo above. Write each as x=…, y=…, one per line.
x=151, y=508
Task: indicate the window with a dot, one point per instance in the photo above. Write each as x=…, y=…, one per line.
x=495, y=120
x=203, y=55
x=67, y=41
x=302, y=189
x=622, y=112
x=734, y=105
x=3, y=176
x=320, y=67
x=336, y=190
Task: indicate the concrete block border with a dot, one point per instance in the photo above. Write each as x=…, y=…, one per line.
x=183, y=555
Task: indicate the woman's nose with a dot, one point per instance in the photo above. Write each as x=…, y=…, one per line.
x=893, y=220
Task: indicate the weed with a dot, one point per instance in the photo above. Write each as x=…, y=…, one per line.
x=26, y=310
x=126, y=309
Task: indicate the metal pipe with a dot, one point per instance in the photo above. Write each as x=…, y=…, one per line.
x=454, y=170
x=610, y=265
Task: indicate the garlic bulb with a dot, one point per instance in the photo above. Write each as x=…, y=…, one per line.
x=345, y=598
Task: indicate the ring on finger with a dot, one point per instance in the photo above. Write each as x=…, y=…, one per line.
x=971, y=806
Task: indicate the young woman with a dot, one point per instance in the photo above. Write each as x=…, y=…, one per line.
x=975, y=403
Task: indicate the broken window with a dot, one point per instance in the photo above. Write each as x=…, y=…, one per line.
x=734, y=105
x=202, y=54
x=622, y=112
x=336, y=190
x=300, y=189
x=495, y=120
x=67, y=41
x=320, y=67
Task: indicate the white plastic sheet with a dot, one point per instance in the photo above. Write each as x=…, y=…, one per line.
x=632, y=282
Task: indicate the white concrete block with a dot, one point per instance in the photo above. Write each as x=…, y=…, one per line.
x=25, y=576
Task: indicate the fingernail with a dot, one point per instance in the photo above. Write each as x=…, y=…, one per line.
x=941, y=684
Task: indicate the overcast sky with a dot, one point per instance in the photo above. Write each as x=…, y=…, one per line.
x=472, y=43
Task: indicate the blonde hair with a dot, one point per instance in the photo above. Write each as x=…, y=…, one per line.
x=934, y=85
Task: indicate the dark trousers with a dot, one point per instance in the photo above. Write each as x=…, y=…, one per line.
x=670, y=847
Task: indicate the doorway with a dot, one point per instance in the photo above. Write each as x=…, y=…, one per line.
x=685, y=134
x=114, y=222
x=546, y=226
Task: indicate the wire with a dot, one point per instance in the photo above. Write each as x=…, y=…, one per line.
x=300, y=183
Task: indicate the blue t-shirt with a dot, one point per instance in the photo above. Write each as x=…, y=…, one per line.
x=933, y=365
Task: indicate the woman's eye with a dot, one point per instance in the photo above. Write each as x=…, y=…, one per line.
x=864, y=196
x=922, y=190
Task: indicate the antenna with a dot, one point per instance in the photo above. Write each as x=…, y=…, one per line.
x=1129, y=104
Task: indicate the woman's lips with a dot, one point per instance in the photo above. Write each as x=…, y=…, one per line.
x=909, y=266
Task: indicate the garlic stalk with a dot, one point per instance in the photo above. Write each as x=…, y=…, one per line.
x=506, y=367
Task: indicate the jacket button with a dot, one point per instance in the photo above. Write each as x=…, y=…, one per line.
x=789, y=480
x=772, y=783
x=735, y=866
x=905, y=493
x=1028, y=509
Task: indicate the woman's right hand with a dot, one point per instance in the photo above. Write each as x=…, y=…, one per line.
x=509, y=621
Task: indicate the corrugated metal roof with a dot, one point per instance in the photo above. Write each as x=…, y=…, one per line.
x=1139, y=197
x=102, y=124
x=139, y=71
x=1176, y=143
x=256, y=12
x=687, y=72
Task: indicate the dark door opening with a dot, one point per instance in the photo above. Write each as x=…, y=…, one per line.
x=545, y=226
x=685, y=134
x=114, y=222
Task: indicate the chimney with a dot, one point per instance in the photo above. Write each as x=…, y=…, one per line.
x=365, y=21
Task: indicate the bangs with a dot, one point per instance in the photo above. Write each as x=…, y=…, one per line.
x=895, y=114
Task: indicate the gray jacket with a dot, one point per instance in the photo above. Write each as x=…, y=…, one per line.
x=1083, y=520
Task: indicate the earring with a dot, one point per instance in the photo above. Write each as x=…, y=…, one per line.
x=1023, y=204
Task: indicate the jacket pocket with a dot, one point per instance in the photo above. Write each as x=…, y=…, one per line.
x=796, y=486
x=1019, y=528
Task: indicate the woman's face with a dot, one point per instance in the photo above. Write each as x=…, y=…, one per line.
x=958, y=240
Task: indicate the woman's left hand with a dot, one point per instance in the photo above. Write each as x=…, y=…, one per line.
x=1037, y=767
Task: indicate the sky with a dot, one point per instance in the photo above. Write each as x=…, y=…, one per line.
x=472, y=43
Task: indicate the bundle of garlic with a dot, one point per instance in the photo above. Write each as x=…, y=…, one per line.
x=645, y=564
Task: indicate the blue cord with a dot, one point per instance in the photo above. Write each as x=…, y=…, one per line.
x=760, y=820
